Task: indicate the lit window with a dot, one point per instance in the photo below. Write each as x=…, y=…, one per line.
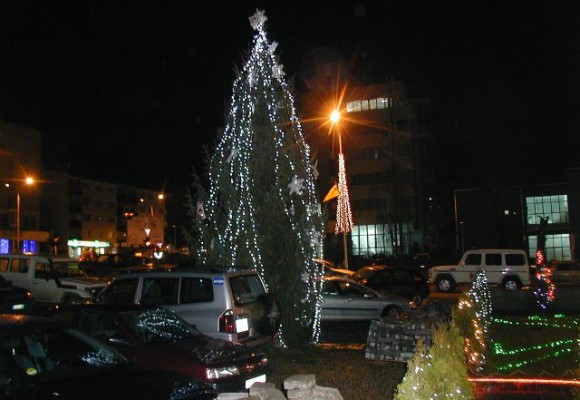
x=365, y=105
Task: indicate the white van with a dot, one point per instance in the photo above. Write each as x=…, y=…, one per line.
x=226, y=303
x=51, y=278
x=508, y=268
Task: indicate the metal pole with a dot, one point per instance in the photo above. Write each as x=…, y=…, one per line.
x=17, y=244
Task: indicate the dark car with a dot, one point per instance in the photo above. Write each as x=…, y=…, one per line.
x=156, y=337
x=14, y=299
x=106, y=266
x=42, y=359
x=401, y=281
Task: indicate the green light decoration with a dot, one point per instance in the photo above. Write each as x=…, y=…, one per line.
x=548, y=350
x=262, y=209
x=519, y=364
x=498, y=347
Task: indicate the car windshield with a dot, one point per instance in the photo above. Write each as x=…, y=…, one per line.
x=42, y=353
x=67, y=269
x=158, y=325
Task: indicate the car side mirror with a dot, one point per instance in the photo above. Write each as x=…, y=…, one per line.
x=370, y=296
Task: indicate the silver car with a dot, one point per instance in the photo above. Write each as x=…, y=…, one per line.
x=346, y=300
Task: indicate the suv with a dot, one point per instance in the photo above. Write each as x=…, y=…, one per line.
x=225, y=303
x=508, y=268
x=50, y=278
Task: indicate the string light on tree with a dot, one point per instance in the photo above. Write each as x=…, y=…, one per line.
x=262, y=210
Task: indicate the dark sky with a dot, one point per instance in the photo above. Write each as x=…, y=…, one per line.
x=131, y=91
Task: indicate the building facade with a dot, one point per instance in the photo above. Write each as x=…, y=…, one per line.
x=20, y=212
x=384, y=135
x=89, y=215
x=516, y=216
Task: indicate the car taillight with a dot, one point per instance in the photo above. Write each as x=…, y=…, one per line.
x=227, y=322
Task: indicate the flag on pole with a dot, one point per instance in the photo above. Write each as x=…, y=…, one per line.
x=332, y=193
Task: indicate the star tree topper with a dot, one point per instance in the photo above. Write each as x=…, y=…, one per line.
x=258, y=19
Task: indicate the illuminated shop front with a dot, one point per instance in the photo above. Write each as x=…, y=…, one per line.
x=76, y=247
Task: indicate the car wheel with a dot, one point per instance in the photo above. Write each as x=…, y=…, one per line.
x=511, y=284
x=269, y=321
x=390, y=313
x=445, y=284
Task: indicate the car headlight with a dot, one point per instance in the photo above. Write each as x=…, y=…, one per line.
x=221, y=372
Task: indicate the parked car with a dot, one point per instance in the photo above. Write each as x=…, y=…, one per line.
x=14, y=299
x=41, y=359
x=106, y=266
x=508, y=268
x=225, y=303
x=404, y=282
x=157, y=337
x=329, y=268
x=347, y=300
x=51, y=278
x=565, y=271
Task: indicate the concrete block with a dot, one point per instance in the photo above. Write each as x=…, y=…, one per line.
x=300, y=394
x=300, y=381
x=233, y=396
x=326, y=393
x=266, y=391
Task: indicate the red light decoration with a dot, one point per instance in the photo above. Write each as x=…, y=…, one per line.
x=539, y=381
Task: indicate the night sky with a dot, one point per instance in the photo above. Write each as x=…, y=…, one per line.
x=132, y=91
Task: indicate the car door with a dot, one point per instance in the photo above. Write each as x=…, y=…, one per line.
x=359, y=303
x=121, y=291
x=332, y=301
x=43, y=285
x=469, y=269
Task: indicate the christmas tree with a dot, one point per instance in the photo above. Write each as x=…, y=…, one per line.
x=261, y=210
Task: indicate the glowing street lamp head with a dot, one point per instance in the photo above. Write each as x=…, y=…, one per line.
x=29, y=180
x=335, y=116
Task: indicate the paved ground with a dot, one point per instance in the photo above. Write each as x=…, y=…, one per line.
x=523, y=391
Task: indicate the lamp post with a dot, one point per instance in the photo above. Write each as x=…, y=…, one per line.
x=343, y=211
x=28, y=181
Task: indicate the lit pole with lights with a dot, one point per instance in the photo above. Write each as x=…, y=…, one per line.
x=28, y=181
x=343, y=212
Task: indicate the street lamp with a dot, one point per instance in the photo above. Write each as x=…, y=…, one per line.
x=28, y=181
x=343, y=211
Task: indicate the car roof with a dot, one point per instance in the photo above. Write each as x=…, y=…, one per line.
x=177, y=271
x=53, y=257
x=115, y=308
x=15, y=323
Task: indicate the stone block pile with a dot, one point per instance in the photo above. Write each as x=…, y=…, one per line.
x=297, y=387
x=394, y=339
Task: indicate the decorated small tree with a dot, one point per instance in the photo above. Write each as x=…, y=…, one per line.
x=438, y=372
x=262, y=210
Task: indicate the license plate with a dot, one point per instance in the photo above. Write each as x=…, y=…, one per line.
x=250, y=382
x=18, y=307
x=241, y=325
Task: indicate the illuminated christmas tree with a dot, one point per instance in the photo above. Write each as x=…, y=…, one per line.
x=262, y=210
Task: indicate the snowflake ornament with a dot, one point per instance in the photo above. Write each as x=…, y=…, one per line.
x=258, y=19
x=278, y=71
x=314, y=167
x=296, y=186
